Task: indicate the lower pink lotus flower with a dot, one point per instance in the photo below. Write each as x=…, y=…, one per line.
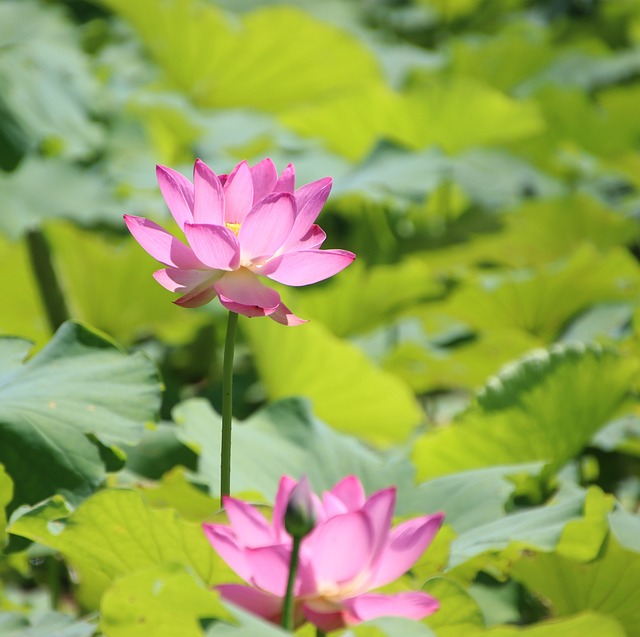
x=351, y=551
x=239, y=227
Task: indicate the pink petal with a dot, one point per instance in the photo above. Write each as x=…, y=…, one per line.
x=314, y=238
x=178, y=193
x=269, y=566
x=250, y=311
x=259, y=603
x=223, y=540
x=333, y=505
x=309, y=199
x=197, y=298
x=243, y=289
x=249, y=525
x=287, y=180
x=308, y=266
x=265, y=176
x=379, y=507
x=285, y=487
x=340, y=548
x=183, y=281
x=209, y=196
x=267, y=226
x=326, y=621
x=216, y=246
x=412, y=605
x=285, y=316
x=349, y=490
x=238, y=193
x=161, y=245
x=407, y=542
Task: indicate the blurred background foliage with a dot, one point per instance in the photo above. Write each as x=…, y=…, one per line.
x=486, y=166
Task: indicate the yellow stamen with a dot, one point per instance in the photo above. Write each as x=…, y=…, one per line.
x=234, y=227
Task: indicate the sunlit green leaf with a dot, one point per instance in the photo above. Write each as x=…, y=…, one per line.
x=542, y=302
x=80, y=384
x=581, y=625
x=164, y=601
x=246, y=62
x=436, y=113
x=347, y=390
x=117, y=533
x=361, y=299
x=130, y=304
x=458, y=611
x=608, y=585
x=545, y=407
x=542, y=231
x=24, y=316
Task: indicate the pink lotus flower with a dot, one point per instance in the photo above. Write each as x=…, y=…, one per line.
x=240, y=226
x=351, y=551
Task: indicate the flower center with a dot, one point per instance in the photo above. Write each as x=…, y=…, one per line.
x=234, y=227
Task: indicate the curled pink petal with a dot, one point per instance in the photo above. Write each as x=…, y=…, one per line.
x=285, y=316
x=197, y=298
x=161, y=245
x=287, y=180
x=310, y=266
x=313, y=239
x=238, y=194
x=379, y=508
x=267, y=226
x=244, y=288
x=258, y=602
x=178, y=193
x=310, y=200
x=407, y=542
x=326, y=619
x=223, y=540
x=209, y=196
x=412, y=605
x=250, y=526
x=215, y=246
x=184, y=281
x=265, y=176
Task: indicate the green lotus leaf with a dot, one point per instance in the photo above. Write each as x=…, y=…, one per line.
x=164, y=602
x=295, y=443
x=79, y=385
x=347, y=390
x=142, y=306
x=245, y=64
x=117, y=533
x=607, y=585
x=547, y=406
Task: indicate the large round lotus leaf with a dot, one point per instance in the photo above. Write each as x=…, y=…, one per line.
x=79, y=385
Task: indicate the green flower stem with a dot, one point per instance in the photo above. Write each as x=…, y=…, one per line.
x=287, y=608
x=320, y=633
x=48, y=285
x=54, y=573
x=227, y=405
